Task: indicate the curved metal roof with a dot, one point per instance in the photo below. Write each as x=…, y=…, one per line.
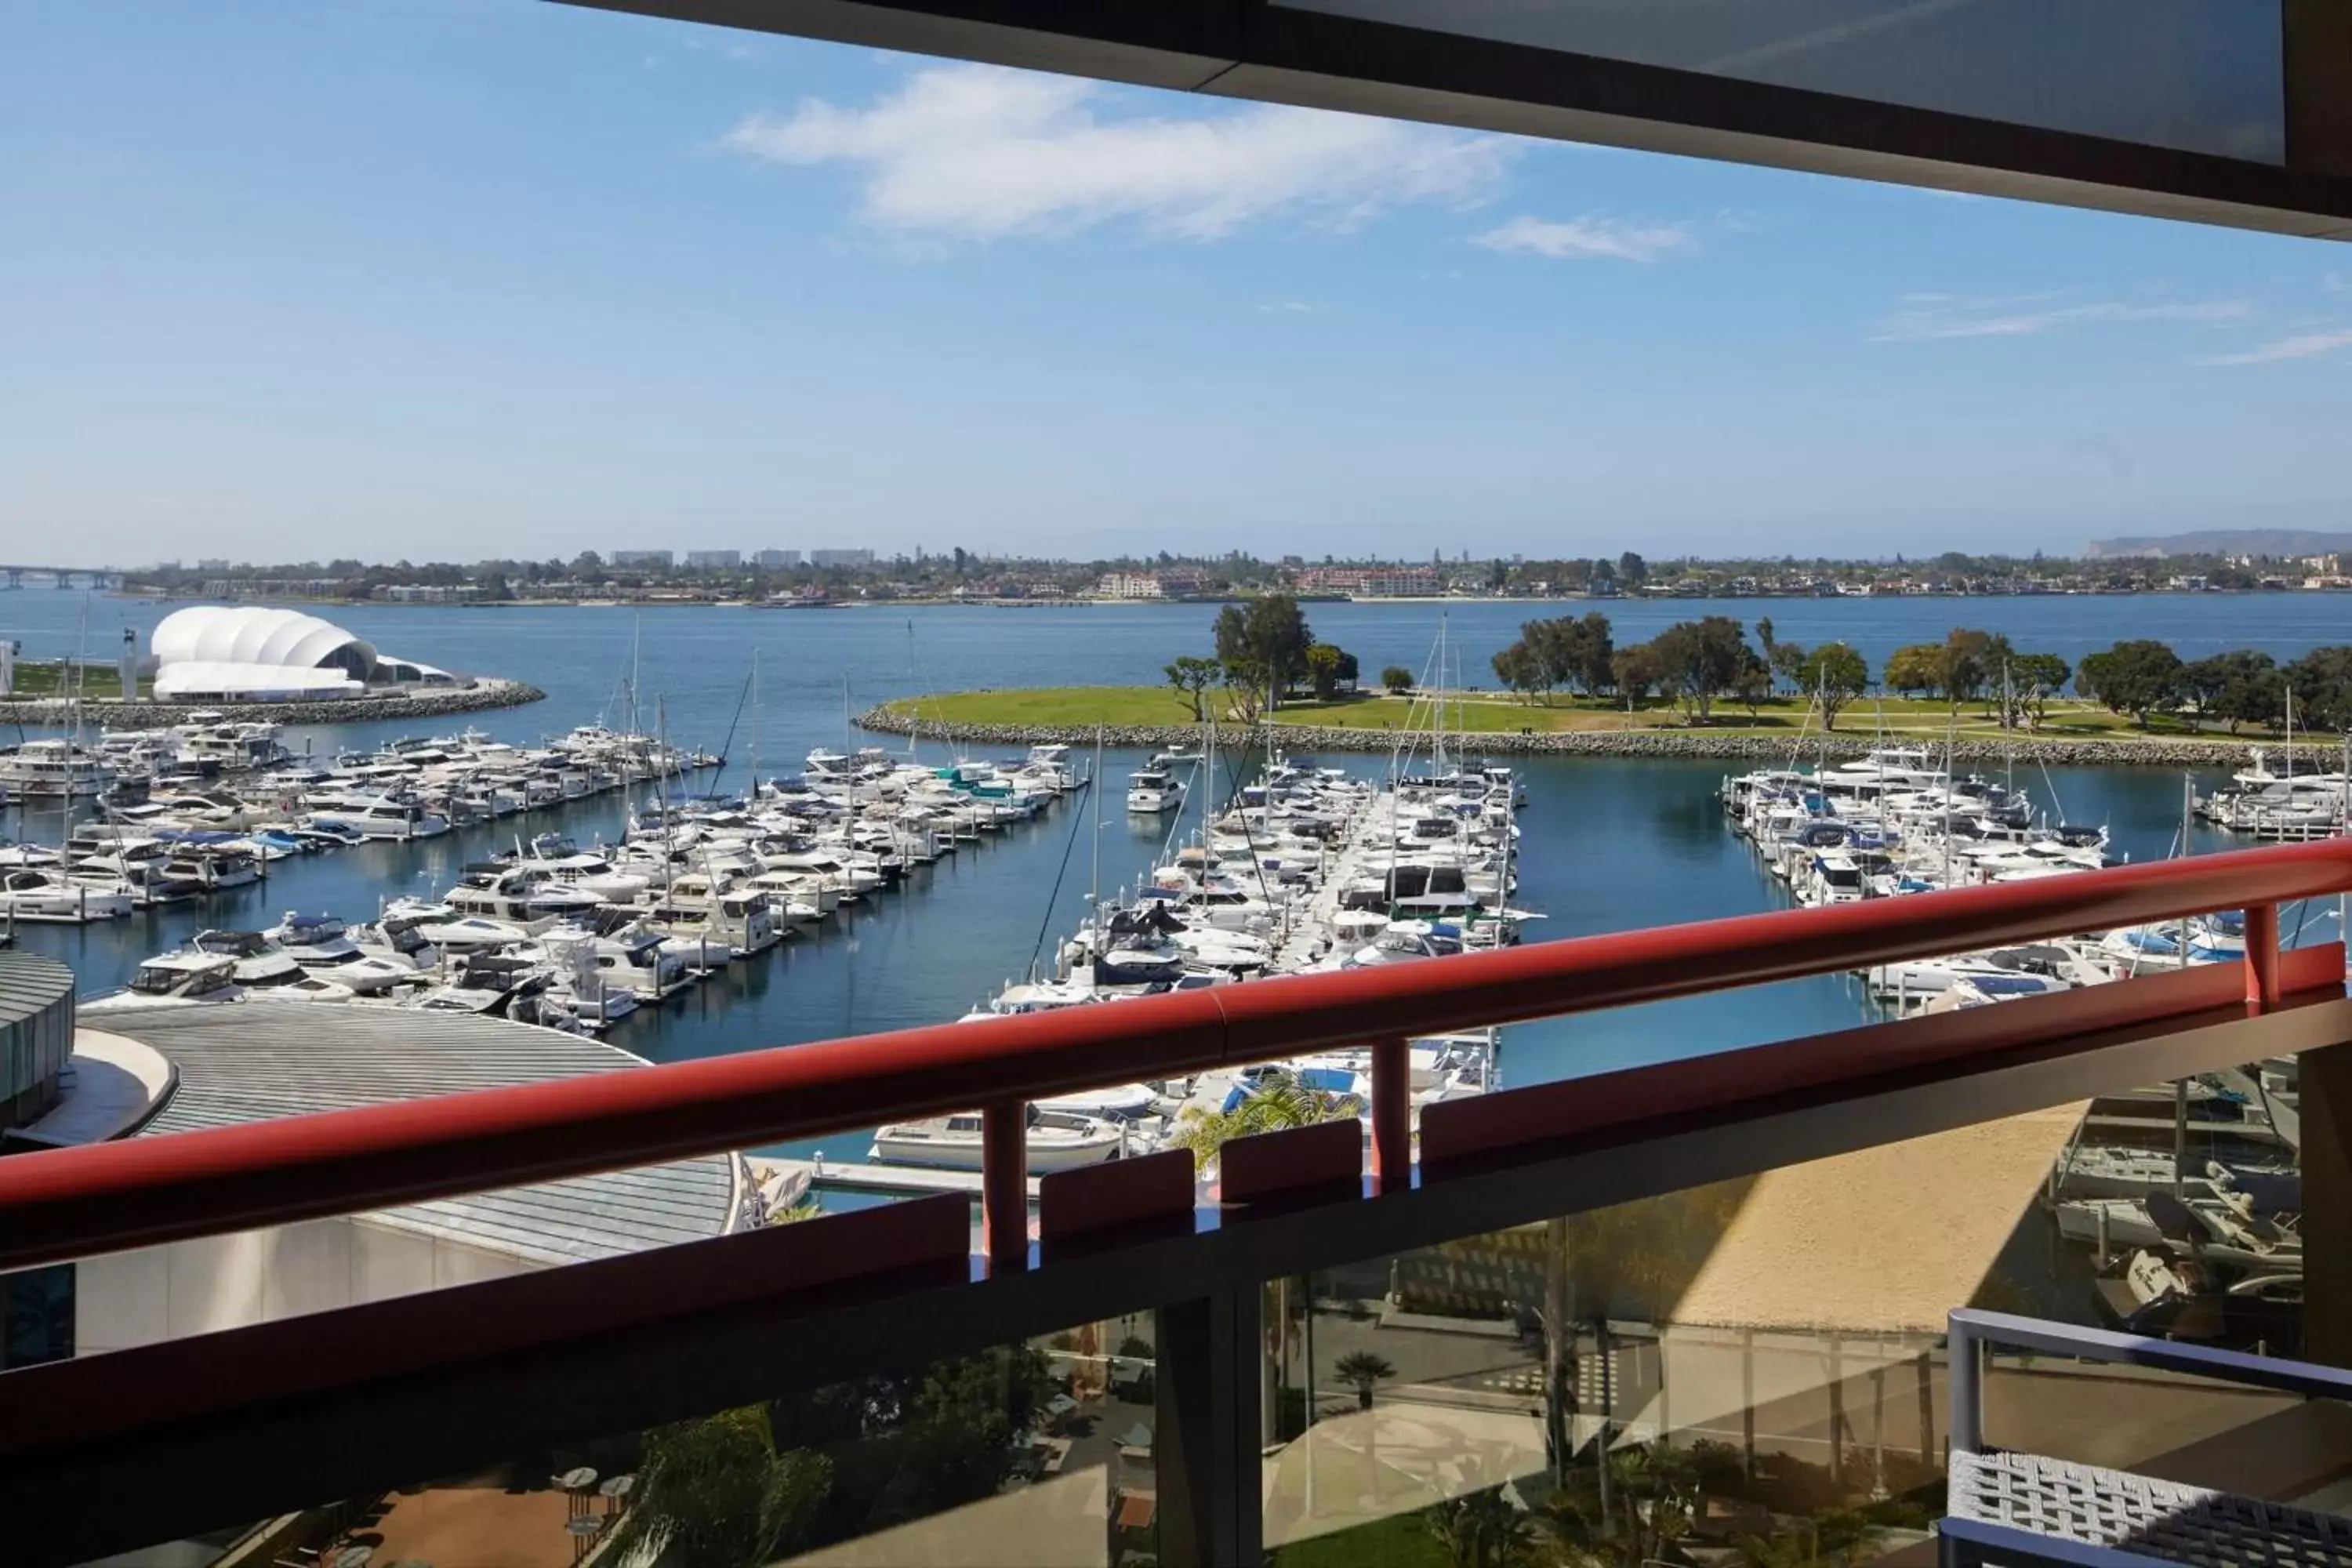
x=30, y=986
x=254, y=1061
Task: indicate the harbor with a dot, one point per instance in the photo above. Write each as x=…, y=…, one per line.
x=1604, y=843
x=2181, y=1201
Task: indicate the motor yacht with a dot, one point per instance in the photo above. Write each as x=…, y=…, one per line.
x=46, y=898
x=53, y=770
x=182, y=978
x=1150, y=791
x=1056, y=1141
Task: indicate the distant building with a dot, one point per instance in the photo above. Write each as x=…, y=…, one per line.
x=431, y=592
x=661, y=558
x=213, y=564
x=1373, y=582
x=772, y=559
x=1148, y=586
x=714, y=558
x=211, y=653
x=841, y=557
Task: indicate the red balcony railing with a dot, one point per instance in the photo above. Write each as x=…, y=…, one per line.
x=67, y=1203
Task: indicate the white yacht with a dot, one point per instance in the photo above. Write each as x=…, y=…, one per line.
x=382, y=816
x=50, y=769
x=175, y=978
x=518, y=892
x=321, y=945
x=267, y=975
x=49, y=899
x=1057, y=1140
x=1150, y=791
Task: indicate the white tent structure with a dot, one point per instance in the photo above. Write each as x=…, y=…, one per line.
x=251, y=653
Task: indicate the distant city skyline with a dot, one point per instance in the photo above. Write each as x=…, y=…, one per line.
x=456, y=279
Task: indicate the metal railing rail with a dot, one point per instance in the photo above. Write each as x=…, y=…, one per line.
x=57, y=1206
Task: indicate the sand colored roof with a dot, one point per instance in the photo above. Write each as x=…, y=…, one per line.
x=1885, y=1240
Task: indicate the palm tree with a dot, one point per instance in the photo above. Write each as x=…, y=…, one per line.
x=1362, y=1370
x=1279, y=1102
x=1482, y=1531
x=1838, y=1539
x=716, y=1493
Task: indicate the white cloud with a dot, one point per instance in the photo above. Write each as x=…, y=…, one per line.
x=2306, y=345
x=979, y=153
x=1586, y=238
x=1292, y=307
x=1935, y=316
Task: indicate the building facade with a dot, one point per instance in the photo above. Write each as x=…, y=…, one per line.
x=714, y=558
x=841, y=557
x=774, y=560
x=1373, y=582
x=1148, y=586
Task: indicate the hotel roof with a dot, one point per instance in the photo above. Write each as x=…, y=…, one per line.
x=254, y=1062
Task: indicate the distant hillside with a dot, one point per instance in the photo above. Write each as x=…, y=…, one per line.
x=2224, y=541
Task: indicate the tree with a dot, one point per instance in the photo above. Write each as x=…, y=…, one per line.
x=1701, y=660
x=1637, y=671
x=1397, y=679
x=1916, y=669
x=1753, y=683
x=2239, y=688
x=1656, y=1494
x=1521, y=669
x=1279, y=1102
x=1632, y=569
x=2321, y=681
x=1362, y=1371
x=1192, y=677
x=1323, y=663
x=715, y=1493
x=2033, y=679
x=1482, y=1531
x=1787, y=660
x=1967, y=661
x=1834, y=675
x=1263, y=644
x=1765, y=639
x=1590, y=652
x=2140, y=677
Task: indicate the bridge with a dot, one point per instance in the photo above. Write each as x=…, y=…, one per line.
x=13, y=577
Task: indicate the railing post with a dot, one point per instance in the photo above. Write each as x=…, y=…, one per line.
x=1392, y=1115
x=1963, y=1378
x=2262, y=958
x=1005, y=1184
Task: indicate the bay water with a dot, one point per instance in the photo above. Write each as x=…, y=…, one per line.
x=1608, y=844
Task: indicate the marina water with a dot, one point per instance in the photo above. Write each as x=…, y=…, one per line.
x=1608, y=844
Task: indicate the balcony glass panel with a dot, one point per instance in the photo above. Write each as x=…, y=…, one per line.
x=1037, y=1453
x=1762, y=1361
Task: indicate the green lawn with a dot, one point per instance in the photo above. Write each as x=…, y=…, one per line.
x=42, y=680
x=1400, y=1540
x=1059, y=705
x=1491, y=712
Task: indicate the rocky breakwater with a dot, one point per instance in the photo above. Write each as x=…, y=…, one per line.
x=1664, y=743
x=481, y=695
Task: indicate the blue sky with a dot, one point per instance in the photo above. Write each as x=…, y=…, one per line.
x=446, y=279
